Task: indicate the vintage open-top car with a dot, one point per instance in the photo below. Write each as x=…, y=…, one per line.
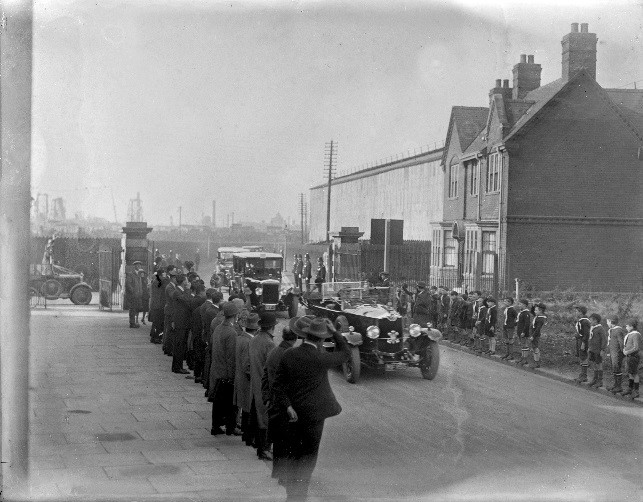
x=375, y=332
x=54, y=282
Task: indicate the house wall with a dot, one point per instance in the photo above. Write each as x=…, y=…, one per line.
x=575, y=204
x=410, y=190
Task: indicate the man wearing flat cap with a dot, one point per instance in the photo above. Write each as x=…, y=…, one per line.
x=134, y=293
x=222, y=372
x=302, y=395
x=259, y=348
x=422, y=308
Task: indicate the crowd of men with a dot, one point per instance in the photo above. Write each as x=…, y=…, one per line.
x=275, y=399
x=476, y=321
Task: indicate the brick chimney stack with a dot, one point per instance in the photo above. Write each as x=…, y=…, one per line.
x=579, y=51
x=526, y=76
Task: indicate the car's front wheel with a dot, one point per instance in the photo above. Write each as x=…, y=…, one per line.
x=431, y=360
x=81, y=295
x=352, y=368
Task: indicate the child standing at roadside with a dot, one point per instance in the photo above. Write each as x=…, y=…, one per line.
x=523, y=326
x=582, y=336
x=632, y=349
x=490, y=323
x=596, y=346
x=536, y=327
x=509, y=328
x=615, y=336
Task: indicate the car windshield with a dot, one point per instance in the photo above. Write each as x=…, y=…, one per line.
x=225, y=256
x=263, y=266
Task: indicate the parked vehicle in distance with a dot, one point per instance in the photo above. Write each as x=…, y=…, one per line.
x=224, y=265
x=261, y=272
x=375, y=332
x=55, y=282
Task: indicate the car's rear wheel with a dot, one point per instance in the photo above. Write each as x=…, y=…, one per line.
x=352, y=368
x=51, y=289
x=431, y=361
x=81, y=295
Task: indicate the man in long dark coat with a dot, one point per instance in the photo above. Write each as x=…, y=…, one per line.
x=211, y=310
x=222, y=372
x=181, y=311
x=242, y=390
x=302, y=395
x=421, y=311
x=259, y=346
x=157, y=303
x=168, y=311
x=277, y=429
x=134, y=293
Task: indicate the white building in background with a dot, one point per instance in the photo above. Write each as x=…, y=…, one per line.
x=409, y=189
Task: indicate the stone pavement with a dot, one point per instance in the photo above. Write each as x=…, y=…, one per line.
x=110, y=421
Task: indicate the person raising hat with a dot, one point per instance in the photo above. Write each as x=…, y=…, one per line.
x=259, y=348
x=302, y=397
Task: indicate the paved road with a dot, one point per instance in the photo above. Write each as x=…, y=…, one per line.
x=109, y=418
x=479, y=431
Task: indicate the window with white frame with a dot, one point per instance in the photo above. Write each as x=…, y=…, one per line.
x=450, y=257
x=436, y=248
x=454, y=173
x=494, y=164
x=474, y=177
x=489, y=247
x=470, y=250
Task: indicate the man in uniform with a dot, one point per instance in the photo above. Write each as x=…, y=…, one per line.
x=321, y=274
x=583, y=327
x=421, y=312
x=301, y=393
x=134, y=293
x=300, y=272
x=259, y=347
x=308, y=272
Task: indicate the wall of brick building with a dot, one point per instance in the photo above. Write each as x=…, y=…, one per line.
x=582, y=257
x=577, y=159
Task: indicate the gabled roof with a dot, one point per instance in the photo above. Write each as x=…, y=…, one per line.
x=546, y=93
x=630, y=102
x=469, y=120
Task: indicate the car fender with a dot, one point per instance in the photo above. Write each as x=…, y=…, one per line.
x=353, y=338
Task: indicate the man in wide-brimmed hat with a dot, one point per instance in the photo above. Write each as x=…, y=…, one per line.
x=302, y=394
x=134, y=293
x=259, y=347
x=242, y=389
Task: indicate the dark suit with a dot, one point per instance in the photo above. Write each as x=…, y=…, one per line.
x=168, y=309
x=181, y=318
x=198, y=347
x=133, y=295
x=209, y=312
x=302, y=382
x=422, y=309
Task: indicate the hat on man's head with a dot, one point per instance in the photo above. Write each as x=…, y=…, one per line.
x=239, y=303
x=173, y=272
x=267, y=320
x=230, y=309
x=320, y=328
x=252, y=321
x=297, y=324
x=421, y=285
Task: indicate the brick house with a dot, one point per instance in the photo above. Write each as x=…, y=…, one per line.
x=548, y=179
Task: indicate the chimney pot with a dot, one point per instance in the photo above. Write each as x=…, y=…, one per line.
x=574, y=27
x=584, y=28
x=505, y=83
x=530, y=59
x=498, y=82
x=523, y=58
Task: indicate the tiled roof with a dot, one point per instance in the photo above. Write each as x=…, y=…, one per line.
x=630, y=102
x=469, y=120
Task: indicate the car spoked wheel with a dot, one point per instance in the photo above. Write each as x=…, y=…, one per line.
x=431, y=360
x=51, y=289
x=81, y=295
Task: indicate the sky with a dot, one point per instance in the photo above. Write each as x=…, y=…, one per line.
x=186, y=102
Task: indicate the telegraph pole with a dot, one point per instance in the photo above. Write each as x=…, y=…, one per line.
x=330, y=157
x=301, y=212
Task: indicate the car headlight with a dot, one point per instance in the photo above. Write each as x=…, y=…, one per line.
x=415, y=330
x=373, y=332
x=258, y=291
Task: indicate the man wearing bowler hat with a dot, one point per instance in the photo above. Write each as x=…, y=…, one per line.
x=302, y=395
x=259, y=348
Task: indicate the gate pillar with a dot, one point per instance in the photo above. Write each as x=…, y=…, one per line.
x=136, y=243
